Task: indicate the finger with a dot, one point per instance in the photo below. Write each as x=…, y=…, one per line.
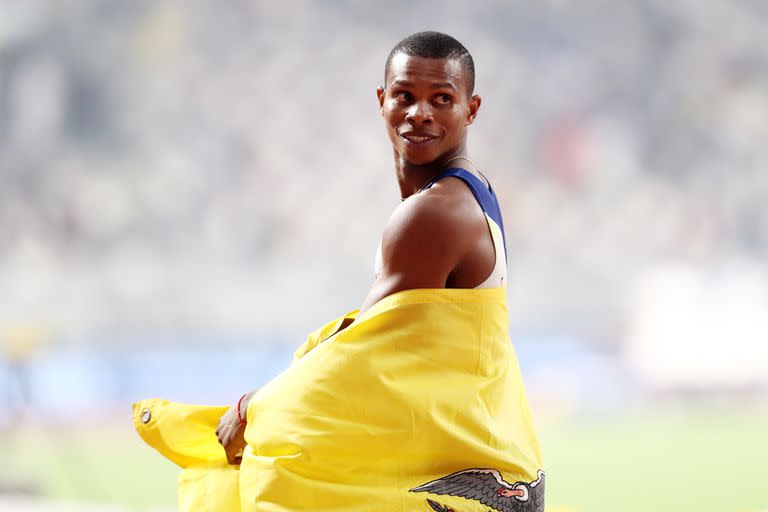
x=239, y=454
x=225, y=438
x=232, y=453
x=234, y=449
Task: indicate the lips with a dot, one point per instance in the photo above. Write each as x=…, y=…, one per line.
x=418, y=138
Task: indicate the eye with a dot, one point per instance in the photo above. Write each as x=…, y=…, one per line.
x=403, y=97
x=443, y=99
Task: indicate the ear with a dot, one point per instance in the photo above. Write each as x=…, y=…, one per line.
x=381, y=93
x=474, y=106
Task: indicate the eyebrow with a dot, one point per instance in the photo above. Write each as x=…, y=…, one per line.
x=442, y=85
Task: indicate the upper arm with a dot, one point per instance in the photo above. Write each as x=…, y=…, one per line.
x=421, y=245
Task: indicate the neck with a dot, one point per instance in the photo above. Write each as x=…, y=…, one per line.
x=411, y=178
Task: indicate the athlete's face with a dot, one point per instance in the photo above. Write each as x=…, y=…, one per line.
x=427, y=107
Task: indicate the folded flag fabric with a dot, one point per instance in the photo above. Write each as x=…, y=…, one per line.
x=417, y=405
x=185, y=434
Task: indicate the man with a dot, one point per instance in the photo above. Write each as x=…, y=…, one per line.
x=445, y=234
x=440, y=237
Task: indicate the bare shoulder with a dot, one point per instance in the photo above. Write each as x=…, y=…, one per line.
x=438, y=223
x=426, y=239
x=449, y=205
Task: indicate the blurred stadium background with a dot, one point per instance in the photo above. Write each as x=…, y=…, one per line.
x=189, y=187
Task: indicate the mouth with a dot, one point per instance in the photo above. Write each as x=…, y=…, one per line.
x=420, y=138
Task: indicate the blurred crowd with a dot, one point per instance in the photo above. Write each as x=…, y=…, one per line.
x=198, y=166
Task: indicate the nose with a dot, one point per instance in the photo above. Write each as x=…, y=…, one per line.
x=419, y=113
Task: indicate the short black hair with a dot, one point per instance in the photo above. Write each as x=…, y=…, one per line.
x=435, y=45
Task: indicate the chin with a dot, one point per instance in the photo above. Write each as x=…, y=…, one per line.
x=419, y=158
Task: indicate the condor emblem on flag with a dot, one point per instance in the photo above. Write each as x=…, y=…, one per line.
x=489, y=488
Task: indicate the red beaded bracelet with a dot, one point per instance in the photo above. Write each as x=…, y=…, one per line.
x=239, y=416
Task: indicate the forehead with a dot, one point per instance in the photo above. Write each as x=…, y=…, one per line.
x=424, y=71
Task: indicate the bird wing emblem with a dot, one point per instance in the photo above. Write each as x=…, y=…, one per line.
x=486, y=486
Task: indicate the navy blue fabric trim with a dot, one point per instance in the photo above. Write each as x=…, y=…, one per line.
x=484, y=195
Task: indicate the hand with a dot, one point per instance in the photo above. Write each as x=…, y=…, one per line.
x=231, y=431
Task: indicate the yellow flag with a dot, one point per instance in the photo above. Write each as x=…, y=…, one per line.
x=185, y=434
x=418, y=405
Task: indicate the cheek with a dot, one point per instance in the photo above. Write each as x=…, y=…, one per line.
x=391, y=115
x=392, y=119
x=453, y=122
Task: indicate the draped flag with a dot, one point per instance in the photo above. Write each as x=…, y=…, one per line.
x=418, y=405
